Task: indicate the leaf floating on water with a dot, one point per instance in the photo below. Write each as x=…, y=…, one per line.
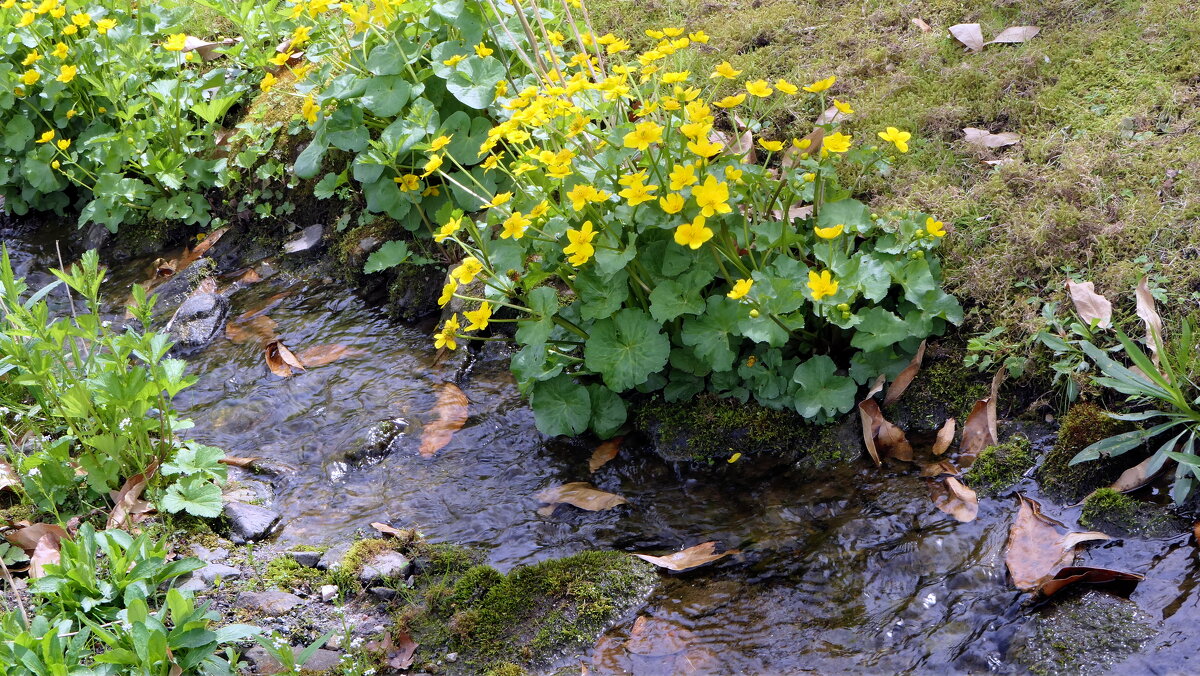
x=902, y=381
x=945, y=437
x=1036, y=550
x=280, y=359
x=1117, y=581
x=1089, y=304
x=260, y=329
x=1014, y=34
x=986, y=139
x=954, y=498
x=320, y=355
x=604, y=452
x=451, y=412
x=969, y=34
x=263, y=305
x=687, y=559
x=578, y=494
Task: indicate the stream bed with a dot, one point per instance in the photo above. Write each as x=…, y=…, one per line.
x=845, y=569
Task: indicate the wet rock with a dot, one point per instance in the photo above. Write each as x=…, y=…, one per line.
x=328, y=592
x=97, y=236
x=198, y=320
x=386, y=565
x=213, y=555
x=381, y=440
x=382, y=593
x=306, y=559
x=249, y=523
x=1085, y=633
x=322, y=661
x=272, y=603
x=307, y=239
x=332, y=558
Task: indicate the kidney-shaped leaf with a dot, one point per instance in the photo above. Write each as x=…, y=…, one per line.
x=626, y=349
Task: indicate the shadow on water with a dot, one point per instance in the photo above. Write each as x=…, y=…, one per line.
x=850, y=569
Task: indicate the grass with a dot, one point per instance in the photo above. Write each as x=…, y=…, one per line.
x=1105, y=99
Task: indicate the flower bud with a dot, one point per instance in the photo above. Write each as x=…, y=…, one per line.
x=754, y=314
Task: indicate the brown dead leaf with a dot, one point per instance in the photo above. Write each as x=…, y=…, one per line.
x=206, y=49
x=985, y=139
x=578, y=494
x=237, y=461
x=939, y=469
x=451, y=412
x=882, y=438
x=260, y=329
x=1089, y=304
x=652, y=637
x=1118, y=582
x=980, y=429
x=1036, y=550
x=403, y=651
x=954, y=498
x=796, y=211
x=250, y=276
x=128, y=506
x=1149, y=315
x=1014, y=34
x=8, y=476
x=46, y=552
x=692, y=557
x=320, y=355
x=604, y=452
x=902, y=381
x=388, y=530
x=27, y=535
x=831, y=115
x=969, y=34
x=945, y=437
x=280, y=359
x=921, y=24
x=1196, y=532
x=1139, y=475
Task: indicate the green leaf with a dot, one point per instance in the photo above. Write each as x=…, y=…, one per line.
x=308, y=163
x=195, y=458
x=600, y=296
x=560, y=406
x=18, y=132
x=608, y=411
x=709, y=334
x=670, y=299
x=386, y=95
x=384, y=196
x=1119, y=443
x=821, y=389
x=867, y=274
x=880, y=328
x=194, y=495
x=763, y=329
x=474, y=83
x=389, y=255
x=851, y=213
x=390, y=58
x=626, y=349
x=346, y=130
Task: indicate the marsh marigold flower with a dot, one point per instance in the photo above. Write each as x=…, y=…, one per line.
x=483, y=50
x=682, y=175
x=499, y=199
x=830, y=232
x=514, y=226
x=67, y=73
x=935, y=228
x=821, y=85
x=759, y=88
x=466, y=271
x=46, y=137
x=821, y=285
x=730, y=101
x=673, y=203
x=440, y=142
x=60, y=51
x=63, y=144
x=693, y=234
x=103, y=26
x=479, y=318
x=740, y=288
x=712, y=197
x=447, y=293
x=772, y=146
x=433, y=165
x=786, y=87
x=725, y=70
x=31, y=58
x=408, y=182
x=704, y=147
x=81, y=19
x=268, y=81
x=30, y=77
x=837, y=142
x=446, y=337
x=580, y=248
x=843, y=107
x=897, y=137
x=637, y=193
x=26, y=19
x=309, y=109
x=643, y=134
x=175, y=42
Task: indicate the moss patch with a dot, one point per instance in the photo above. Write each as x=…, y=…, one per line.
x=1000, y=466
x=1083, y=425
x=1118, y=514
x=283, y=572
x=1084, y=633
x=944, y=388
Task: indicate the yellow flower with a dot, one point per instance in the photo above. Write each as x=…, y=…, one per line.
x=58, y=12
x=431, y=191
x=30, y=77
x=786, y=87
x=67, y=73
x=830, y=232
x=935, y=228
x=772, y=146
x=267, y=82
x=735, y=457
x=705, y=148
x=491, y=162
x=280, y=59
x=695, y=130
x=674, y=77
x=483, y=50
x=726, y=71
x=730, y=101
x=843, y=107
x=515, y=225
x=540, y=210
x=440, y=142
x=479, y=318
x=408, y=182
x=454, y=60
x=712, y=197
x=316, y=7
x=698, y=36
x=837, y=142
x=31, y=58
x=672, y=204
x=466, y=271
x=740, y=288
x=26, y=19
x=638, y=193
x=55, y=164
x=618, y=46
x=46, y=137
x=559, y=171
x=897, y=137
x=300, y=36
x=693, y=234
x=447, y=292
x=446, y=338
x=583, y=193
x=175, y=43
x=821, y=285
x=60, y=51
x=759, y=88
x=103, y=26
x=309, y=109
x=63, y=144
x=71, y=113
x=82, y=19
x=580, y=249
x=682, y=175
x=432, y=165
x=733, y=174
x=643, y=134
x=300, y=71
x=70, y=30
x=821, y=85
x=499, y=199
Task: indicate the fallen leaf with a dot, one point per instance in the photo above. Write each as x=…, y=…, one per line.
x=902, y=381
x=939, y=469
x=604, y=452
x=831, y=115
x=46, y=552
x=1015, y=34
x=280, y=359
x=236, y=461
x=260, y=329
x=250, y=276
x=1149, y=316
x=1196, y=532
x=882, y=438
x=403, y=651
x=1119, y=582
x=27, y=535
x=986, y=139
x=128, y=505
x=206, y=49
x=8, y=476
x=921, y=24
x=792, y=155
x=1036, y=550
x=451, y=412
x=954, y=498
x=652, y=637
x=945, y=437
x=796, y=211
x=1000, y=162
x=1139, y=475
x=320, y=355
x=1089, y=304
x=979, y=431
x=578, y=494
x=969, y=34
x=307, y=239
x=389, y=530
x=692, y=557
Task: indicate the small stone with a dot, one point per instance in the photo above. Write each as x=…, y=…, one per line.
x=451, y=657
x=249, y=523
x=272, y=603
x=385, y=566
x=329, y=592
x=322, y=661
x=332, y=558
x=383, y=593
x=199, y=318
x=306, y=559
x=210, y=555
x=307, y=239
x=214, y=571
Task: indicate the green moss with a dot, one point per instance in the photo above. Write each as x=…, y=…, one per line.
x=709, y=428
x=1000, y=466
x=1083, y=632
x=944, y=388
x=285, y=573
x=1083, y=425
x=1118, y=514
x=506, y=669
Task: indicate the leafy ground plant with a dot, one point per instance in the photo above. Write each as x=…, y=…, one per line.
x=648, y=244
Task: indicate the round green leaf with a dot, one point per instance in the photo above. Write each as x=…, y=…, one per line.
x=560, y=406
x=608, y=411
x=474, y=83
x=386, y=95
x=626, y=349
x=821, y=389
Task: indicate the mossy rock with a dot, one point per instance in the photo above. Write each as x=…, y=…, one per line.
x=1083, y=425
x=944, y=388
x=1118, y=514
x=1084, y=633
x=530, y=617
x=1000, y=466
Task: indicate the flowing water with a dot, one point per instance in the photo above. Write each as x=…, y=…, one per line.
x=850, y=569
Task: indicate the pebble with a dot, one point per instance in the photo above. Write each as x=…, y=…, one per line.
x=329, y=592
x=333, y=556
x=451, y=657
x=383, y=593
x=385, y=566
x=306, y=559
x=248, y=523
x=271, y=603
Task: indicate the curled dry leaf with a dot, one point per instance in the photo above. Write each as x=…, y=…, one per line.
x=1089, y=304
x=969, y=34
x=128, y=506
x=237, y=461
x=692, y=557
x=388, y=530
x=954, y=498
x=260, y=329
x=980, y=429
x=398, y=652
x=320, y=355
x=1014, y=34
x=1149, y=315
x=1036, y=550
x=40, y=541
x=1118, y=582
x=985, y=139
x=8, y=476
x=604, y=452
x=945, y=437
x=207, y=50
x=451, y=412
x=578, y=494
x=882, y=438
x=1139, y=475
x=46, y=552
x=939, y=469
x=280, y=359
x=902, y=381
x=921, y=24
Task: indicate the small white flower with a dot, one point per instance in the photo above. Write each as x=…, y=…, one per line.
x=124, y=423
x=35, y=471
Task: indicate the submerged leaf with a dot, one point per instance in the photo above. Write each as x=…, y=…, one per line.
x=692, y=557
x=578, y=494
x=320, y=355
x=1036, y=550
x=1089, y=304
x=451, y=414
x=969, y=34
x=604, y=452
x=954, y=498
x=260, y=329
x=280, y=359
x=1119, y=582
